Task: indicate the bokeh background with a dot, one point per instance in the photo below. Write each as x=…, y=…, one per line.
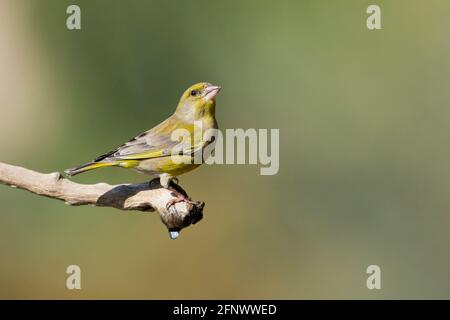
x=364, y=159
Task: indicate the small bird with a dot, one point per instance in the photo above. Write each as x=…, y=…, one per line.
x=151, y=152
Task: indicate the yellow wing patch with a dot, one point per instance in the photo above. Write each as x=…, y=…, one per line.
x=128, y=163
x=144, y=155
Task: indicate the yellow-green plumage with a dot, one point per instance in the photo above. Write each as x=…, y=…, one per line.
x=151, y=151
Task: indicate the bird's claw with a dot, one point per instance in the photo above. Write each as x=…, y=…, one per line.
x=179, y=198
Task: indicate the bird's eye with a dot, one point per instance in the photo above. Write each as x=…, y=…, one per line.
x=194, y=93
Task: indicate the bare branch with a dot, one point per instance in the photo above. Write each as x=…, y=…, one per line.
x=173, y=205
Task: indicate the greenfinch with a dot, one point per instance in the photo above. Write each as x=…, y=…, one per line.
x=151, y=152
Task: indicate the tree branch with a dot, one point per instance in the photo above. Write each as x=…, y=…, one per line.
x=174, y=207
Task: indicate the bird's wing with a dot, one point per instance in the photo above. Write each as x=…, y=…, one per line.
x=154, y=143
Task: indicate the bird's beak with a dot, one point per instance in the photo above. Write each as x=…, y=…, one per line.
x=211, y=92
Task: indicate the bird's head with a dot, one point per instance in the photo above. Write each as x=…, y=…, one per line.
x=198, y=100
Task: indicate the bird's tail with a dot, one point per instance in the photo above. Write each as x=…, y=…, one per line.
x=88, y=166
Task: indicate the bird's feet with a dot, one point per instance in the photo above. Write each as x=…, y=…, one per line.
x=165, y=180
x=175, y=220
x=179, y=194
x=171, y=183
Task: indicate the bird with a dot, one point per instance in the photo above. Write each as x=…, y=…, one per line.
x=151, y=152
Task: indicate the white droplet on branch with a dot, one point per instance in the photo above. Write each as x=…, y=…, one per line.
x=173, y=234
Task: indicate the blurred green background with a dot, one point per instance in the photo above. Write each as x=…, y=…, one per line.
x=364, y=162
